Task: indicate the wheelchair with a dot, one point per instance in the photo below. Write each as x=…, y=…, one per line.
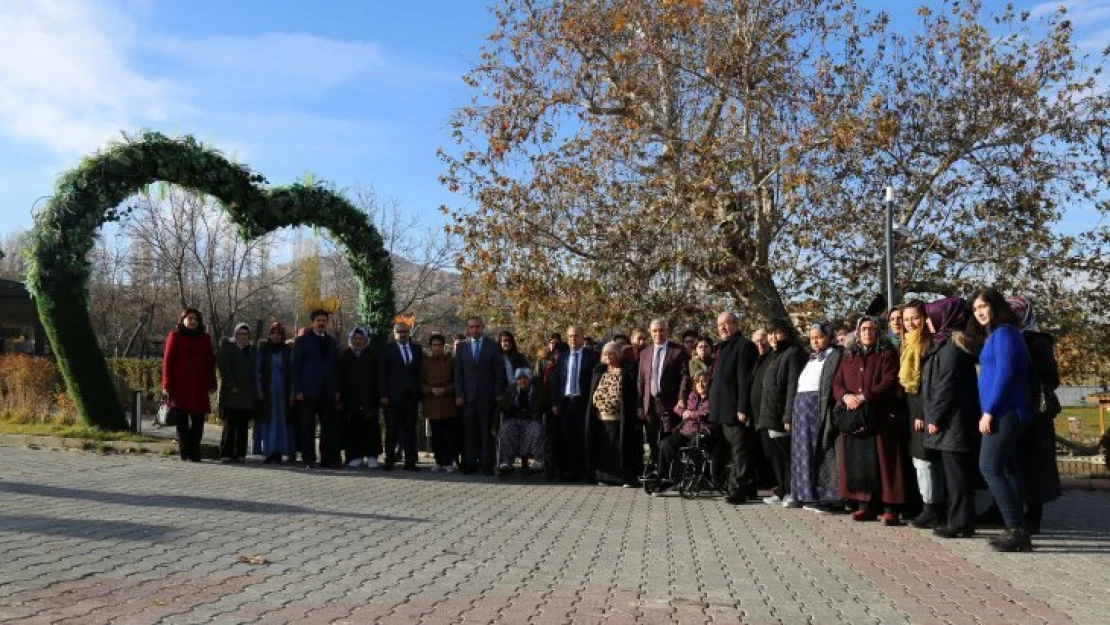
x=700, y=470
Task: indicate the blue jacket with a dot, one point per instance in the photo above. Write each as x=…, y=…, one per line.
x=1004, y=374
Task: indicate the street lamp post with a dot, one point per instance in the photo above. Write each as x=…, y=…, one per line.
x=889, y=264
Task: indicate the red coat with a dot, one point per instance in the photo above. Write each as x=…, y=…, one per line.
x=189, y=372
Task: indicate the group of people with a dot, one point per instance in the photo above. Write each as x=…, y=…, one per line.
x=877, y=418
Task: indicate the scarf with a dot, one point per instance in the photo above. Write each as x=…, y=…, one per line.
x=350, y=340
x=909, y=367
x=1023, y=308
x=947, y=315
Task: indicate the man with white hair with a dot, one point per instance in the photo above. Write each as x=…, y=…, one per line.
x=730, y=404
x=663, y=383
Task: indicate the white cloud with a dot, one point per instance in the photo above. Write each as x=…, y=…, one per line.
x=279, y=60
x=1082, y=13
x=65, y=81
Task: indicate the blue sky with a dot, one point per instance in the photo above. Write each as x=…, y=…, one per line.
x=352, y=91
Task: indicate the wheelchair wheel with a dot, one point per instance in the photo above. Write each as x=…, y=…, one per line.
x=690, y=485
x=650, y=482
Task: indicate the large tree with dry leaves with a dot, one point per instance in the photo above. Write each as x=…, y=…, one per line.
x=629, y=158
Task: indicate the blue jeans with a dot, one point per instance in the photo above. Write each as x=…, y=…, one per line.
x=998, y=463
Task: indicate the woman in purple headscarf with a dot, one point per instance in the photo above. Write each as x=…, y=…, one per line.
x=950, y=396
x=1037, y=445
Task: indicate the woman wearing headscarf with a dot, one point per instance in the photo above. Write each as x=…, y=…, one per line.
x=1037, y=446
x=237, y=394
x=615, y=451
x=358, y=381
x=188, y=376
x=870, y=454
x=521, y=431
x=1004, y=371
x=273, y=437
x=917, y=340
x=810, y=444
x=950, y=405
x=775, y=418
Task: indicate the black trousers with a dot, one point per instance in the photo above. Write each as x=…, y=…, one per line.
x=446, y=434
x=742, y=444
x=959, y=482
x=668, y=453
x=478, y=447
x=233, y=441
x=190, y=430
x=400, y=429
x=362, y=434
x=311, y=409
x=777, y=452
x=572, y=422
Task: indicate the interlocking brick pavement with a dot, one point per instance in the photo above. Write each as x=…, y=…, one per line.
x=93, y=539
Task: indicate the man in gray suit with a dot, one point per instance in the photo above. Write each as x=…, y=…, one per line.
x=479, y=380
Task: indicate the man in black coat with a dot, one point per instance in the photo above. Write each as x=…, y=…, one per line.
x=316, y=388
x=479, y=382
x=399, y=388
x=730, y=404
x=570, y=390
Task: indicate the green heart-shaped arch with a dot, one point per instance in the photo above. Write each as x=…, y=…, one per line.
x=90, y=195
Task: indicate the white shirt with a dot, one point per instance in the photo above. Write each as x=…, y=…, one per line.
x=810, y=379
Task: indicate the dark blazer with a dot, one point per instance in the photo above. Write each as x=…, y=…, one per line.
x=780, y=385
x=359, y=376
x=315, y=371
x=731, y=386
x=396, y=380
x=674, y=380
x=950, y=394
x=589, y=360
x=482, y=380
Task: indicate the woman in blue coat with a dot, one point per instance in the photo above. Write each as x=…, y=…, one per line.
x=1004, y=398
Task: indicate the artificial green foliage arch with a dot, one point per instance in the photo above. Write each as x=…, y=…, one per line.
x=91, y=194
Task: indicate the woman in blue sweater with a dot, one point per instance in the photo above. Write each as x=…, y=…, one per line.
x=1004, y=397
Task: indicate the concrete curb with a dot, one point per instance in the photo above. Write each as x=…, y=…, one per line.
x=84, y=444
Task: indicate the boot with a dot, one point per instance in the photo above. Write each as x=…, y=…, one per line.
x=930, y=517
x=1014, y=539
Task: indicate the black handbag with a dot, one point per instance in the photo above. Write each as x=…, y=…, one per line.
x=854, y=422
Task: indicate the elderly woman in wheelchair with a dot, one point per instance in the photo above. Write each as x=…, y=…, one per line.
x=686, y=454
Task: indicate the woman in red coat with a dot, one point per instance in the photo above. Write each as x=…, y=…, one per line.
x=871, y=465
x=188, y=376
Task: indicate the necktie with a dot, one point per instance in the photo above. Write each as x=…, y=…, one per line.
x=474, y=349
x=405, y=353
x=572, y=383
x=657, y=369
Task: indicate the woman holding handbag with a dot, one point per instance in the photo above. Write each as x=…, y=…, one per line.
x=188, y=376
x=870, y=454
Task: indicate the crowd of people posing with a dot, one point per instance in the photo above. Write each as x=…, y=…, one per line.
x=880, y=419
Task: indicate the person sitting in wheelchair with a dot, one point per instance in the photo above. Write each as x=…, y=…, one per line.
x=521, y=435
x=695, y=420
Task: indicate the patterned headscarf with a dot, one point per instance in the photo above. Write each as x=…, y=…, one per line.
x=1023, y=308
x=947, y=314
x=824, y=327
x=856, y=346
x=350, y=339
x=240, y=326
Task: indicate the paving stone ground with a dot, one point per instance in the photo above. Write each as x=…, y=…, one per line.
x=93, y=539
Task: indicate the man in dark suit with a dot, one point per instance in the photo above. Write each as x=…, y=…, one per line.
x=399, y=385
x=730, y=404
x=479, y=381
x=316, y=387
x=570, y=390
x=663, y=383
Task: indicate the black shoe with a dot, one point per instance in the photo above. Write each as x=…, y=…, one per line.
x=929, y=517
x=1013, y=540
x=388, y=465
x=948, y=531
x=411, y=467
x=467, y=471
x=736, y=499
x=309, y=465
x=487, y=471
x=269, y=460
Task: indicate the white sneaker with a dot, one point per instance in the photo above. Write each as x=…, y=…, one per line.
x=372, y=462
x=773, y=500
x=790, y=502
x=504, y=466
x=537, y=465
x=355, y=464
x=450, y=469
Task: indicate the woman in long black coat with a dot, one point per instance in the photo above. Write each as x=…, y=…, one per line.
x=1037, y=446
x=614, y=443
x=950, y=395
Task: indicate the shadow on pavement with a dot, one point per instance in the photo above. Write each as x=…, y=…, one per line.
x=83, y=528
x=189, y=502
